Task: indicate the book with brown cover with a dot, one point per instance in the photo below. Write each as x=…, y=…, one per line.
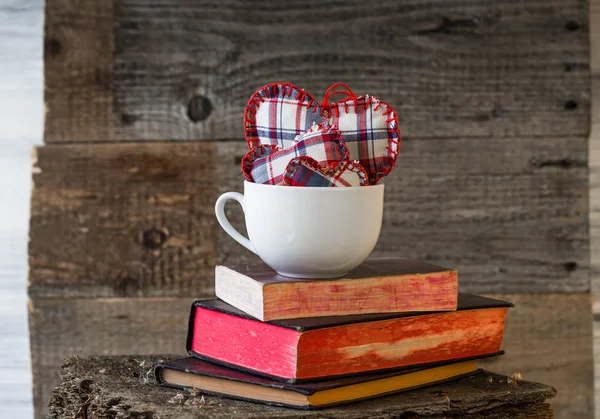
x=303, y=349
x=206, y=377
x=386, y=285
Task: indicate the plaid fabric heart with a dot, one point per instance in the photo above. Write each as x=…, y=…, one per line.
x=278, y=112
x=306, y=171
x=267, y=163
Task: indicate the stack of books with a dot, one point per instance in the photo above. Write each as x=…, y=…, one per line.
x=390, y=325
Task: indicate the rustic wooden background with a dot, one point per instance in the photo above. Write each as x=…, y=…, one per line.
x=594, y=164
x=143, y=130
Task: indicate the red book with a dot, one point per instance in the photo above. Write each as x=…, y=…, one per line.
x=389, y=285
x=319, y=347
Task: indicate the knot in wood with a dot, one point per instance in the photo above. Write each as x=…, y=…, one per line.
x=153, y=239
x=570, y=105
x=199, y=108
x=52, y=47
x=572, y=25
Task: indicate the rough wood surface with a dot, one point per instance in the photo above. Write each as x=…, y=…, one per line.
x=78, y=70
x=547, y=339
x=477, y=68
x=594, y=164
x=184, y=70
x=138, y=219
x=108, y=387
x=596, y=361
x=594, y=151
x=100, y=327
x=125, y=220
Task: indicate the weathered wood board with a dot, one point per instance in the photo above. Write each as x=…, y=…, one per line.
x=548, y=339
x=101, y=327
x=138, y=219
x=108, y=387
x=594, y=147
x=594, y=164
x=78, y=70
x=596, y=359
x=183, y=70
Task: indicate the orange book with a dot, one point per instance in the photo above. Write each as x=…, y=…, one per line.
x=319, y=347
x=389, y=285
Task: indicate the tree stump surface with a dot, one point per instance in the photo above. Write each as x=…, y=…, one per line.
x=124, y=387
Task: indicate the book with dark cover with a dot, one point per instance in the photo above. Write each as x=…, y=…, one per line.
x=385, y=285
x=298, y=350
x=210, y=378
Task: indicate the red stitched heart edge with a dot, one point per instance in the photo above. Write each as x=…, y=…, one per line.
x=326, y=171
x=266, y=92
x=393, y=127
x=251, y=134
x=257, y=152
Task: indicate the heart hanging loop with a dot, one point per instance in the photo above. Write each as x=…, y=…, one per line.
x=331, y=91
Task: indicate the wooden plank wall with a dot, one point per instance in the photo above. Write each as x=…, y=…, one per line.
x=144, y=130
x=594, y=164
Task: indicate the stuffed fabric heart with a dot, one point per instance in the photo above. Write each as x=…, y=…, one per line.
x=306, y=171
x=278, y=112
x=267, y=163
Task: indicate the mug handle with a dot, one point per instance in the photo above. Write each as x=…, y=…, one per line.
x=224, y=222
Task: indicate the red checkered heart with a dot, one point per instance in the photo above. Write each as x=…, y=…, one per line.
x=267, y=163
x=278, y=112
x=306, y=171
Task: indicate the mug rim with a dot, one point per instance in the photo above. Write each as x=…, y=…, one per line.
x=312, y=188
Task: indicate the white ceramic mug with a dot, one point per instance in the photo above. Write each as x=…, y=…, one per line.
x=308, y=232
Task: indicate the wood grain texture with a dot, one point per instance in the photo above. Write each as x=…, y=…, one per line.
x=548, y=338
x=100, y=327
x=594, y=147
x=123, y=391
x=126, y=220
x=78, y=70
x=482, y=212
x=596, y=358
x=138, y=219
x=594, y=164
x=184, y=70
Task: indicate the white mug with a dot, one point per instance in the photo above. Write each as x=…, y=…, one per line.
x=308, y=232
